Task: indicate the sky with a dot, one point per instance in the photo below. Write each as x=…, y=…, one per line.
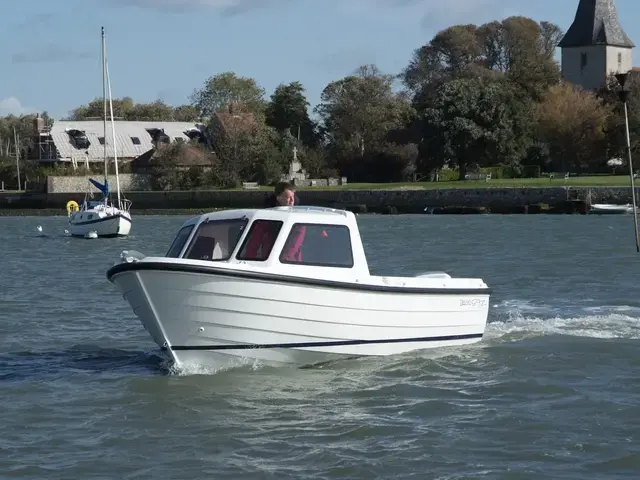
x=164, y=49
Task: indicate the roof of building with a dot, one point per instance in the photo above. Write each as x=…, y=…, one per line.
x=596, y=23
x=132, y=137
x=234, y=123
x=186, y=156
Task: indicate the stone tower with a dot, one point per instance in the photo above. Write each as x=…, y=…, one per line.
x=595, y=46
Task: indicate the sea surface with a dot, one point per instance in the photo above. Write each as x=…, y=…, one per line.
x=551, y=392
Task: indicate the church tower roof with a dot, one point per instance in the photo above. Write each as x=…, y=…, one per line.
x=596, y=23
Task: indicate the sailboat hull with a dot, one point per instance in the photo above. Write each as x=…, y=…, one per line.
x=116, y=224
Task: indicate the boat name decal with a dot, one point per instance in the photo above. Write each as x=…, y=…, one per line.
x=473, y=302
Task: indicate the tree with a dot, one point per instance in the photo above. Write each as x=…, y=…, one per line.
x=246, y=149
x=273, y=157
x=317, y=162
x=126, y=109
x=224, y=89
x=24, y=127
x=173, y=166
x=517, y=47
x=572, y=122
x=154, y=111
x=550, y=36
x=449, y=54
x=358, y=110
x=473, y=121
x=527, y=49
x=287, y=112
x=616, y=128
x=122, y=107
x=186, y=113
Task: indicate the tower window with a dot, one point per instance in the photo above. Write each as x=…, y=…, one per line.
x=619, y=61
x=583, y=60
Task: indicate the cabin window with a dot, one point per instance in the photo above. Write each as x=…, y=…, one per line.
x=179, y=241
x=215, y=240
x=135, y=140
x=318, y=245
x=101, y=140
x=259, y=241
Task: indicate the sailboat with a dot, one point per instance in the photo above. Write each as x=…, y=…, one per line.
x=103, y=218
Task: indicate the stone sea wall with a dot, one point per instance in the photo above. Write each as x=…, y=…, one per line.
x=454, y=200
x=72, y=184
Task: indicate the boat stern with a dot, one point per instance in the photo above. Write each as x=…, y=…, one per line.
x=124, y=224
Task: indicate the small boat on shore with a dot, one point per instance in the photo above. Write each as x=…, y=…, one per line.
x=289, y=285
x=610, y=208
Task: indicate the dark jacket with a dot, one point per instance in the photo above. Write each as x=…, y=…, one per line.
x=272, y=201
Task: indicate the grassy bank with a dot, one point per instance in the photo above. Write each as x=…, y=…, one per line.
x=495, y=196
x=584, y=181
x=56, y=212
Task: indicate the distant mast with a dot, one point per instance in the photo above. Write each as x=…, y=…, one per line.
x=104, y=105
x=113, y=126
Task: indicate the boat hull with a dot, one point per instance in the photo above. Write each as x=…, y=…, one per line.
x=113, y=225
x=217, y=319
x=610, y=209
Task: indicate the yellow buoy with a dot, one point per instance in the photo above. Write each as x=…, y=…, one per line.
x=72, y=206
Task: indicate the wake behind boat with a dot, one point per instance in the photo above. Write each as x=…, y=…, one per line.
x=104, y=218
x=289, y=285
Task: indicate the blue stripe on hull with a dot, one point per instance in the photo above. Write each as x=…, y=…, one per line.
x=111, y=235
x=99, y=220
x=338, y=343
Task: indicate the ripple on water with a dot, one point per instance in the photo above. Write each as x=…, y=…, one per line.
x=551, y=391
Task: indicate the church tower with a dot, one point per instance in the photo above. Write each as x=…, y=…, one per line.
x=595, y=46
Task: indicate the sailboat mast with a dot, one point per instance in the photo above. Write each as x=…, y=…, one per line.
x=113, y=127
x=104, y=107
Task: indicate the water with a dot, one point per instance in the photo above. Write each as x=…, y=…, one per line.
x=552, y=391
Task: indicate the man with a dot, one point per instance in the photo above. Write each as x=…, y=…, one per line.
x=284, y=195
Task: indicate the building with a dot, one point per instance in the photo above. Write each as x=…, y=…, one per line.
x=83, y=142
x=595, y=46
x=186, y=157
x=232, y=122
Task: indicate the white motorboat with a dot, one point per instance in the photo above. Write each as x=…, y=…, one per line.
x=289, y=285
x=610, y=208
x=105, y=217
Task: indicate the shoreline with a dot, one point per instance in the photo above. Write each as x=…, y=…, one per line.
x=453, y=201
x=570, y=208
x=55, y=212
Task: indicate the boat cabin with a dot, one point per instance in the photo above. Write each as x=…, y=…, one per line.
x=287, y=239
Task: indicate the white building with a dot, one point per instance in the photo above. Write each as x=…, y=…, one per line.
x=82, y=142
x=595, y=46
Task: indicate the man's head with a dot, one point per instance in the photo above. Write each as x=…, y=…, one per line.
x=285, y=194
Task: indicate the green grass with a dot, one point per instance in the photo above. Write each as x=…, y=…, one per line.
x=584, y=181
